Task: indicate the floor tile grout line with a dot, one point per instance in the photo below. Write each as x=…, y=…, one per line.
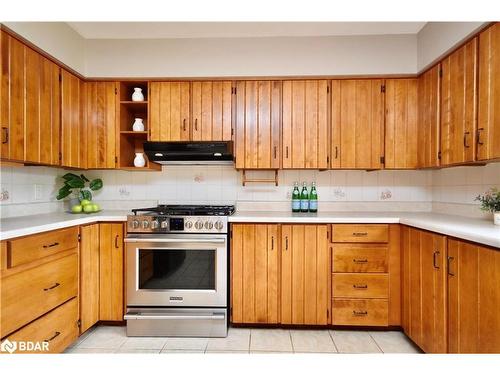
x=291, y=340
x=376, y=343
x=335, y=345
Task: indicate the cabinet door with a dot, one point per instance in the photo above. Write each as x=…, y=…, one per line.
x=305, y=124
x=73, y=122
x=254, y=273
x=101, y=124
x=401, y=123
x=458, y=105
x=169, y=111
x=89, y=276
x=429, y=86
x=357, y=124
x=304, y=274
x=211, y=106
x=473, y=298
x=488, y=127
x=111, y=272
x=258, y=112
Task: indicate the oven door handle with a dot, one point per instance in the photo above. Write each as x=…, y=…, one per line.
x=175, y=240
x=172, y=317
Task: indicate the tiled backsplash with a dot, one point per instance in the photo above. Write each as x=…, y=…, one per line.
x=31, y=190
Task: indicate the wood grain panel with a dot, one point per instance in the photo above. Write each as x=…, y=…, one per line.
x=459, y=105
x=415, y=322
x=401, y=123
x=359, y=258
x=488, y=127
x=298, y=273
x=323, y=272
x=237, y=290
x=395, y=278
x=4, y=94
x=249, y=241
x=375, y=233
x=32, y=103
x=286, y=274
x=359, y=312
x=49, y=103
x=360, y=285
x=273, y=272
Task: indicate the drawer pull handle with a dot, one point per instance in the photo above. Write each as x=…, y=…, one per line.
x=434, y=259
x=53, y=337
x=360, y=286
x=50, y=245
x=116, y=241
x=359, y=313
x=360, y=260
x=359, y=234
x=5, y=135
x=450, y=259
x=51, y=287
x=184, y=125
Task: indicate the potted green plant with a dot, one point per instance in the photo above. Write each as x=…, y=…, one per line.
x=490, y=201
x=76, y=186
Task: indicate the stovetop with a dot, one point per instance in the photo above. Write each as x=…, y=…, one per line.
x=186, y=210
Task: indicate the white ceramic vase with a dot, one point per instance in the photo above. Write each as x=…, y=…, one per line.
x=496, y=218
x=138, y=125
x=139, y=160
x=137, y=95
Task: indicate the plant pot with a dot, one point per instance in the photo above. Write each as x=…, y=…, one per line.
x=139, y=160
x=138, y=125
x=137, y=95
x=496, y=218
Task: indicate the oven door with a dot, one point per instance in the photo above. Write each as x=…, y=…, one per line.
x=177, y=270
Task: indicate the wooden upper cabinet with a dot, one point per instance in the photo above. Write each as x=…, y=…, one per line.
x=12, y=92
x=401, y=123
x=73, y=122
x=101, y=124
x=169, y=111
x=488, y=127
x=255, y=273
x=211, y=111
x=357, y=124
x=305, y=269
x=458, y=105
x=305, y=124
x=429, y=85
x=258, y=117
x=473, y=298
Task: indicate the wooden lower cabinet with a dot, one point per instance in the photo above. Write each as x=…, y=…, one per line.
x=473, y=298
x=89, y=276
x=111, y=271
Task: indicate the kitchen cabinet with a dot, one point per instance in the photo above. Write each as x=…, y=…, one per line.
x=255, y=273
x=305, y=124
x=101, y=124
x=111, y=271
x=89, y=276
x=357, y=124
x=305, y=272
x=258, y=118
x=73, y=121
x=473, y=298
x=488, y=127
x=459, y=105
x=425, y=289
x=428, y=140
x=170, y=111
x=401, y=123
x=211, y=111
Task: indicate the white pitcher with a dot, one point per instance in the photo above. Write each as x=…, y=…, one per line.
x=137, y=95
x=138, y=125
x=139, y=160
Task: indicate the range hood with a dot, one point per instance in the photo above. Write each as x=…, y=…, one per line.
x=190, y=153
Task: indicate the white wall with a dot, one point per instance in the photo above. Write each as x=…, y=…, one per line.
x=437, y=38
x=55, y=38
x=388, y=54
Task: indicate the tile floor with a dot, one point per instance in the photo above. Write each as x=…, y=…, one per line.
x=108, y=339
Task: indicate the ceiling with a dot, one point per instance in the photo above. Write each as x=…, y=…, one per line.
x=174, y=30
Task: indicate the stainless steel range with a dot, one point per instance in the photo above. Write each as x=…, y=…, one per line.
x=177, y=267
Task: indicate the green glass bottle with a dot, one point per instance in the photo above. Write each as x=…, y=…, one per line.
x=296, y=198
x=313, y=199
x=304, y=199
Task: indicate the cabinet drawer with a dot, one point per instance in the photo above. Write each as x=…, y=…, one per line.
x=360, y=233
x=57, y=329
x=359, y=285
x=359, y=258
x=360, y=312
x=34, y=247
x=29, y=294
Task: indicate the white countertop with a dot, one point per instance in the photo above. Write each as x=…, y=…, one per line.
x=476, y=230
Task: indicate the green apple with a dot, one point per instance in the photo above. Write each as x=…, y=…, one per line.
x=88, y=208
x=77, y=208
x=85, y=202
x=95, y=207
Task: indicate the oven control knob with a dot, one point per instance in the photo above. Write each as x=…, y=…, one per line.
x=188, y=224
x=209, y=225
x=145, y=224
x=155, y=224
x=218, y=225
x=198, y=225
x=135, y=224
x=164, y=224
